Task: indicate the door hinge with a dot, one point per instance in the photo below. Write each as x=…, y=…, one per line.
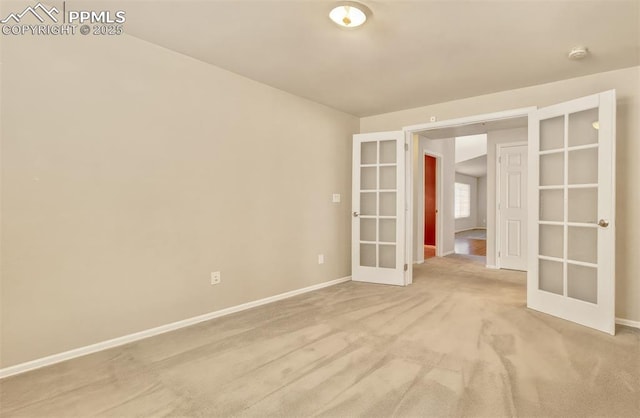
x=499, y=254
x=406, y=147
x=406, y=267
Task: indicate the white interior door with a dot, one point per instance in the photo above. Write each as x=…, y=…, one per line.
x=512, y=253
x=378, y=230
x=572, y=209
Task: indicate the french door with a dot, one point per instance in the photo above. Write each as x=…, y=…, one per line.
x=571, y=209
x=378, y=227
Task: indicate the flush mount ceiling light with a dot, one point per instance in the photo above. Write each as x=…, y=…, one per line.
x=578, y=53
x=349, y=14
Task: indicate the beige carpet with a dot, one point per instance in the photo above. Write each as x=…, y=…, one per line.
x=458, y=342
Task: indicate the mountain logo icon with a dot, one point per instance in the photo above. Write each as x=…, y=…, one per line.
x=38, y=11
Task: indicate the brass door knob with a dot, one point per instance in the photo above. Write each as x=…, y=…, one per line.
x=603, y=223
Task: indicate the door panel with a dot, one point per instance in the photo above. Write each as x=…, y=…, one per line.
x=378, y=235
x=513, y=207
x=572, y=208
x=429, y=200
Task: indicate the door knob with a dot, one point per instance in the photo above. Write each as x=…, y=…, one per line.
x=603, y=223
x=356, y=214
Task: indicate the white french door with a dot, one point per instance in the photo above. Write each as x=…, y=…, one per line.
x=571, y=210
x=378, y=228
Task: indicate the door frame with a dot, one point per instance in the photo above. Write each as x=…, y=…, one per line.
x=413, y=130
x=438, y=157
x=498, y=197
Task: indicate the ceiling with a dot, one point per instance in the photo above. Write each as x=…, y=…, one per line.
x=409, y=53
x=476, y=167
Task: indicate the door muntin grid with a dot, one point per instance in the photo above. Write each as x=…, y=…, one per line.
x=378, y=203
x=568, y=206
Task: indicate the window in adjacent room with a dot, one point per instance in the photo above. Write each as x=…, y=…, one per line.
x=462, y=200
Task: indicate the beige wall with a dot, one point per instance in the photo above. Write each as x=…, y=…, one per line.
x=627, y=84
x=482, y=202
x=130, y=172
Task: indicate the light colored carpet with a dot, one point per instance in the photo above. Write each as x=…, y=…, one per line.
x=458, y=342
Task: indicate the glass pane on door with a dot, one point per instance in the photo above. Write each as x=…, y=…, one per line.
x=583, y=205
x=368, y=255
x=582, y=283
x=369, y=153
x=581, y=129
x=368, y=230
x=551, y=205
x=552, y=169
x=582, y=244
x=552, y=133
x=583, y=166
x=551, y=279
x=387, y=256
x=551, y=240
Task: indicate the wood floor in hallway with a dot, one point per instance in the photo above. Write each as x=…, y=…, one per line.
x=429, y=251
x=472, y=242
x=458, y=342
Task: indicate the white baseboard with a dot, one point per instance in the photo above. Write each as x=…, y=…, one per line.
x=448, y=253
x=115, y=342
x=491, y=266
x=470, y=229
x=628, y=322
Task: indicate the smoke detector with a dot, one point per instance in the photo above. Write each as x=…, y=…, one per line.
x=578, y=53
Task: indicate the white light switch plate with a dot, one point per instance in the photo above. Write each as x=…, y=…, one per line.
x=336, y=198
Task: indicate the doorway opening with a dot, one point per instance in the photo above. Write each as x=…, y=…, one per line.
x=469, y=230
x=430, y=205
x=470, y=197
x=570, y=200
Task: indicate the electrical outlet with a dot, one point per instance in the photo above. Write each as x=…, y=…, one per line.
x=215, y=277
x=320, y=258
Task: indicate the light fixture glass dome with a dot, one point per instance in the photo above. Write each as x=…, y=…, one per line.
x=348, y=16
